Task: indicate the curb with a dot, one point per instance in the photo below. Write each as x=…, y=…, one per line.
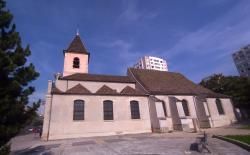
x=236, y=142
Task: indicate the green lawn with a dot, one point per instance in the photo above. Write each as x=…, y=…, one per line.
x=242, y=138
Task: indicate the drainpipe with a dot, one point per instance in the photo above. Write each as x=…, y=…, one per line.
x=50, y=107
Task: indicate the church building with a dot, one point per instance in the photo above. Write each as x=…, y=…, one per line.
x=79, y=104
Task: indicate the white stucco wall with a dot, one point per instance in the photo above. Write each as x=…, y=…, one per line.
x=218, y=120
x=64, y=85
x=191, y=106
x=63, y=126
x=168, y=123
x=68, y=63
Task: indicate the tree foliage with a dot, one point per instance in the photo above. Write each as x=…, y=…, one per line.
x=15, y=75
x=236, y=87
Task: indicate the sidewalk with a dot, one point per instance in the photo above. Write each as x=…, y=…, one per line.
x=166, y=143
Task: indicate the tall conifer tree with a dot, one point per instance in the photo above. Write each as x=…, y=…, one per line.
x=15, y=75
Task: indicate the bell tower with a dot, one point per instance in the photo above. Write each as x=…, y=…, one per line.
x=76, y=57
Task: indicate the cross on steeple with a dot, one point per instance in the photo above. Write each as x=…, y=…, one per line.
x=77, y=32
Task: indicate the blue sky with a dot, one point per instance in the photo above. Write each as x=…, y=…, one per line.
x=196, y=37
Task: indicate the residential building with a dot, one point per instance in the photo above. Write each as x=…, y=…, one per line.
x=80, y=104
x=242, y=61
x=153, y=63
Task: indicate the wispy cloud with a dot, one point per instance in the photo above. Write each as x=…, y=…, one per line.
x=131, y=12
x=219, y=39
x=41, y=58
x=124, y=52
x=226, y=33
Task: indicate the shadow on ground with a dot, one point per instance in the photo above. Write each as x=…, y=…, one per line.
x=44, y=150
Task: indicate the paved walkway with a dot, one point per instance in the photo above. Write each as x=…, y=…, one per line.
x=176, y=143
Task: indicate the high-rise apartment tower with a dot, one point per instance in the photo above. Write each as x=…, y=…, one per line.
x=242, y=61
x=153, y=63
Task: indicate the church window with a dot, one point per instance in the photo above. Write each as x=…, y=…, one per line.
x=135, y=111
x=108, y=110
x=185, y=107
x=76, y=62
x=219, y=107
x=164, y=109
x=78, y=110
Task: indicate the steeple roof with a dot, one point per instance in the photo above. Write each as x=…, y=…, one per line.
x=76, y=46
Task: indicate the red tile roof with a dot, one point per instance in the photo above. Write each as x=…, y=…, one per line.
x=98, y=78
x=106, y=90
x=131, y=91
x=169, y=83
x=76, y=46
x=78, y=89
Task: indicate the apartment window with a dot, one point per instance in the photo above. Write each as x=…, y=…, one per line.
x=185, y=107
x=219, y=107
x=135, y=111
x=78, y=113
x=76, y=62
x=108, y=110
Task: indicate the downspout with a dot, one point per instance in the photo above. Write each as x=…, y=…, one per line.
x=50, y=107
x=49, y=116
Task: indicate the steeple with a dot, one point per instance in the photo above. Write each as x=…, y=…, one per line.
x=76, y=57
x=76, y=46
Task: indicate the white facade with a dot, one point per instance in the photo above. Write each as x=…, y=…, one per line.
x=68, y=68
x=134, y=108
x=59, y=123
x=150, y=62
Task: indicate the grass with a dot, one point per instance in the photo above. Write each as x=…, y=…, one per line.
x=242, y=138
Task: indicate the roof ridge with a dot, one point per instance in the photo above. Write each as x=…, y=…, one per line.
x=97, y=75
x=169, y=83
x=151, y=70
x=98, y=78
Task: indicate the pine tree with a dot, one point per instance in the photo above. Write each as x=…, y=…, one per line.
x=15, y=75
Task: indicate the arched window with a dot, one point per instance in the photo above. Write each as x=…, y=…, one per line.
x=108, y=110
x=135, y=111
x=76, y=62
x=219, y=106
x=78, y=113
x=164, y=109
x=185, y=107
